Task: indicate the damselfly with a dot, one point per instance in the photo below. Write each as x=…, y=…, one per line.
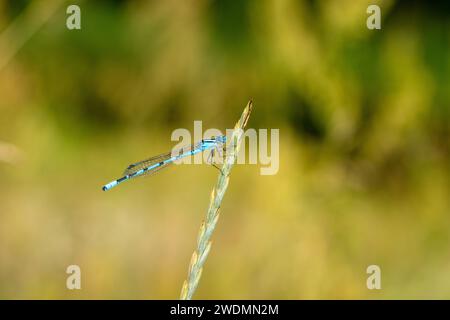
x=154, y=164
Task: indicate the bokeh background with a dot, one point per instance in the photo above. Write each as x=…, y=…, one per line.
x=364, y=148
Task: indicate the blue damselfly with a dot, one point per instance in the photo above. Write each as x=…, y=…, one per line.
x=157, y=163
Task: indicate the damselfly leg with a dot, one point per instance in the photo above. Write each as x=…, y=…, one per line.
x=219, y=150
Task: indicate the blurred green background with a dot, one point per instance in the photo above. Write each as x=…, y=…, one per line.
x=364, y=148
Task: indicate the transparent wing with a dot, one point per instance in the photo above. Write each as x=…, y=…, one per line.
x=135, y=167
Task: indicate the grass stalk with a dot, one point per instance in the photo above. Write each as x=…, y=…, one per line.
x=212, y=216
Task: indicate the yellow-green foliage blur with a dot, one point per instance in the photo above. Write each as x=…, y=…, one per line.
x=364, y=148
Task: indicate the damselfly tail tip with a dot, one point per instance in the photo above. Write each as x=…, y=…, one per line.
x=112, y=184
